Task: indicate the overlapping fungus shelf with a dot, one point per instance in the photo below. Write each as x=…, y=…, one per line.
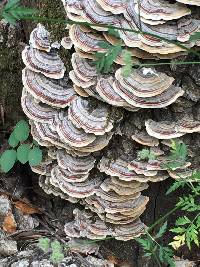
x=78, y=116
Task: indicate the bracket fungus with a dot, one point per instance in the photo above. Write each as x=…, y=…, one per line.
x=85, y=224
x=119, y=168
x=143, y=138
x=159, y=11
x=190, y=2
x=40, y=38
x=56, y=93
x=168, y=129
x=90, y=116
x=74, y=119
x=39, y=61
x=114, y=6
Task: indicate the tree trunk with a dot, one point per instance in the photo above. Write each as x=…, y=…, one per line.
x=11, y=44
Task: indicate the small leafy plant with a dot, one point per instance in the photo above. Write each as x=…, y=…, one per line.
x=159, y=253
x=13, y=11
x=104, y=61
x=128, y=63
x=178, y=155
x=55, y=249
x=20, y=148
x=146, y=154
x=187, y=227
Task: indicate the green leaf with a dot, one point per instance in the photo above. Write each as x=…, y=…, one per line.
x=161, y=254
x=12, y=141
x=35, y=156
x=146, y=154
x=44, y=244
x=23, y=152
x=179, y=152
x=11, y=4
x=128, y=61
x=183, y=220
x=114, y=33
x=7, y=160
x=195, y=175
x=13, y=11
x=167, y=256
x=178, y=230
x=9, y=18
x=104, y=45
x=145, y=243
x=21, y=131
x=104, y=61
x=175, y=186
x=162, y=230
x=57, y=257
x=195, y=36
x=56, y=246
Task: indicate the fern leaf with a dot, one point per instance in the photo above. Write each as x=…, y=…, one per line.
x=161, y=231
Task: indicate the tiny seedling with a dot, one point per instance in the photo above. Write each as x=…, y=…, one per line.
x=55, y=249
x=146, y=154
x=20, y=148
x=152, y=248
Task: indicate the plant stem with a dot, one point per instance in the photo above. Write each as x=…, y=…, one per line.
x=162, y=218
x=157, y=260
x=167, y=63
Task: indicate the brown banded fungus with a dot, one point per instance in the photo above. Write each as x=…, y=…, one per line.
x=158, y=11
x=85, y=224
x=119, y=168
x=190, y=2
x=114, y=6
x=40, y=38
x=168, y=129
x=76, y=165
x=73, y=128
x=39, y=61
x=56, y=93
x=91, y=116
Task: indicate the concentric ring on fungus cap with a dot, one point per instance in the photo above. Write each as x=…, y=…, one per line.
x=40, y=38
x=143, y=138
x=72, y=135
x=159, y=10
x=163, y=100
x=94, y=13
x=37, y=111
x=86, y=41
x=119, y=168
x=56, y=93
x=145, y=82
x=122, y=187
x=83, y=68
x=76, y=165
x=114, y=6
x=48, y=64
x=162, y=130
x=91, y=118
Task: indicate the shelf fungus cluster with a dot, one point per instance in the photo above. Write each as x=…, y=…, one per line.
x=169, y=129
x=144, y=88
x=75, y=115
x=170, y=21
